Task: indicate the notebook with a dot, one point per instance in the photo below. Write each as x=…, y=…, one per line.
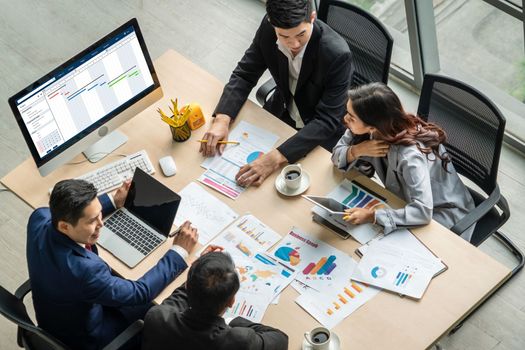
x=132, y=232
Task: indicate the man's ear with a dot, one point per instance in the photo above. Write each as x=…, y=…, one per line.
x=231, y=301
x=64, y=227
x=313, y=16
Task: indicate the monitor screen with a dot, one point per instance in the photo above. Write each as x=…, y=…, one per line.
x=85, y=93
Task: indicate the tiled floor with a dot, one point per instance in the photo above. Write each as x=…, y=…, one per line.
x=36, y=36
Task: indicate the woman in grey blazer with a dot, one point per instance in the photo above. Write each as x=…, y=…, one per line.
x=409, y=158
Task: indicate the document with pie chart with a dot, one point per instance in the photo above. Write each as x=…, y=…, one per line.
x=320, y=266
x=394, y=268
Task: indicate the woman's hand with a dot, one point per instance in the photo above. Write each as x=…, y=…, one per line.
x=370, y=148
x=357, y=216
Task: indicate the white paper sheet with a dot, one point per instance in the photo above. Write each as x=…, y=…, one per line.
x=396, y=269
x=207, y=213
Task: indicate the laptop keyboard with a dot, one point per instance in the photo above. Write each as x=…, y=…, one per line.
x=132, y=232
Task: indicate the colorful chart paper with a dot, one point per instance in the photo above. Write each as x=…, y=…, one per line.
x=319, y=265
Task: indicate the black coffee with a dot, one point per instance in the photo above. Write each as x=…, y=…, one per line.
x=292, y=175
x=320, y=337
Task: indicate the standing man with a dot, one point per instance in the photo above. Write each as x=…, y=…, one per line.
x=75, y=295
x=191, y=318
x=311, y=65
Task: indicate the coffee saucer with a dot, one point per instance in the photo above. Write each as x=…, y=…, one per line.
x=280, y=185
x=335, y=343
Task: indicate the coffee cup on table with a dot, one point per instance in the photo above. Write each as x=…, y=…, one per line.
x=292, y=175
x=319, y=338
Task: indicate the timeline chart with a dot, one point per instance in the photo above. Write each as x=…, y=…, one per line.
x=88, y=93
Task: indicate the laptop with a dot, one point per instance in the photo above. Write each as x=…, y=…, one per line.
x=144, y=223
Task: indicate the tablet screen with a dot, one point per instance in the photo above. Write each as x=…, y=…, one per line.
x=329, y=204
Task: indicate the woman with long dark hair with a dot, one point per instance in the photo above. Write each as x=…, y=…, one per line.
x=409, y=158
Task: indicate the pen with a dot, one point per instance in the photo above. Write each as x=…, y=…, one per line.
x=221, y=142
x=175, y=232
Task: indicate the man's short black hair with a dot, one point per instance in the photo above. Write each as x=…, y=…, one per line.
x=212, y=282
x=68, y=200
x=288, y=14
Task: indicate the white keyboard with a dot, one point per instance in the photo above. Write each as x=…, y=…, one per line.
x=112, y=175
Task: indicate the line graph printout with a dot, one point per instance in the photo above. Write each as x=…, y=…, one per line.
x=81, y=95
x=207, y=213
x=246, y=237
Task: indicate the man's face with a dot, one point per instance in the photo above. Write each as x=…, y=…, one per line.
x=87, y=229
x=297, y=37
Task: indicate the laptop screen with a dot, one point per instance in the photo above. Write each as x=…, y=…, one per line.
x=152, y=202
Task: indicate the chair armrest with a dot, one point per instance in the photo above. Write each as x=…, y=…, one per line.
x=22, y=291
x=133, y=329
x=264, y=91
x=478, y=212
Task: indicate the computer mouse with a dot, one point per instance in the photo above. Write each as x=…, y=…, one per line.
x=167, y=165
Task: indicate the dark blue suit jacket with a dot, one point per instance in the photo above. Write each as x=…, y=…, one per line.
x=76, y=298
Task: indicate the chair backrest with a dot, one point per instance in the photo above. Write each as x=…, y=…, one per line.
x=33, y=337
x=368, y=39
x=474, y=127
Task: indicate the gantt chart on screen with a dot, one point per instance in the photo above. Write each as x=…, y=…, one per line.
x=66, y=106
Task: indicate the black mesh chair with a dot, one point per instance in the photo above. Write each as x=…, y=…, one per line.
x=368, y=39
x=32, y=337
x=474, y=127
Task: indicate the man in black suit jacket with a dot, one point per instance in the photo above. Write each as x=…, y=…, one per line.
x=191, y=318
x=311, y=65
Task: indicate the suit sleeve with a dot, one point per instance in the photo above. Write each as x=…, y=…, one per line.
x=243, y=79
x=107, y=205
x=256, y=336
x=418, y=211
x=328, y=112
x=101, y=287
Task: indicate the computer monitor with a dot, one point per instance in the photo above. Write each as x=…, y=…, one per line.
x=80, y=102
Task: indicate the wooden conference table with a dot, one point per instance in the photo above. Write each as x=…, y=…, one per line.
x=386, y=321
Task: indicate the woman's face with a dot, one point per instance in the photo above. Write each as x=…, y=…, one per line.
x=354, y=123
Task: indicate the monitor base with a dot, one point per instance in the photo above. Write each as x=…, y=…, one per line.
x=105, y=146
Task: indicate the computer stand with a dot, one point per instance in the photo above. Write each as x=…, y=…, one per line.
x=105, y=146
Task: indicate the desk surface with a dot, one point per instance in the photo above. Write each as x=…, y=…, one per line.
x=470, y=277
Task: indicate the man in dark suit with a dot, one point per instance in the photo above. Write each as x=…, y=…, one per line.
x=311, y=65
x=75, y=295
x=191, y=318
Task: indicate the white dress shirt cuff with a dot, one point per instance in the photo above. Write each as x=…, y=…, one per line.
x=181, y=251
x=112, y=200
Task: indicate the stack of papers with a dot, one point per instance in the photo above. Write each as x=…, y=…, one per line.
x=397, y=269
x=262, y=278
x=221, y=170
x=323, y=277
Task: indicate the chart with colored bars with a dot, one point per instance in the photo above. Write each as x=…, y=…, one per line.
x=331, y=308
x=404, y=276
x=257, y=232
x=244, y=308
x=359, y=198
x=321, y=269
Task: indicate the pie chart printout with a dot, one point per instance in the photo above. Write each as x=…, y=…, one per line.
x=288, y=254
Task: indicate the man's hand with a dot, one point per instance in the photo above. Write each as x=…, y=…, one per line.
x=357, y=216
x=257, y=171
x=122, y=192
x=371, y=148
x=212, y=248
x=187, y=237
x=218, y=131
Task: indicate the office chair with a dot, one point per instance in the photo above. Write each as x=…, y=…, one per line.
x=32, y=337
x=368, y=39
x=474, y=127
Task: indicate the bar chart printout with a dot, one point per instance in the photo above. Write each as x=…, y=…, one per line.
x=320, y=265
x=331, y=308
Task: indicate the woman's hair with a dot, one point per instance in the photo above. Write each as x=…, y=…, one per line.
x=378, y=106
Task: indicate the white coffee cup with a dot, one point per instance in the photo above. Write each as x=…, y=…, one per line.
x=292, y=175
x=319, y=338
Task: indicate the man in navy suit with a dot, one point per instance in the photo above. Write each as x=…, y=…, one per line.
x=312, y=67
x=76, y=297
